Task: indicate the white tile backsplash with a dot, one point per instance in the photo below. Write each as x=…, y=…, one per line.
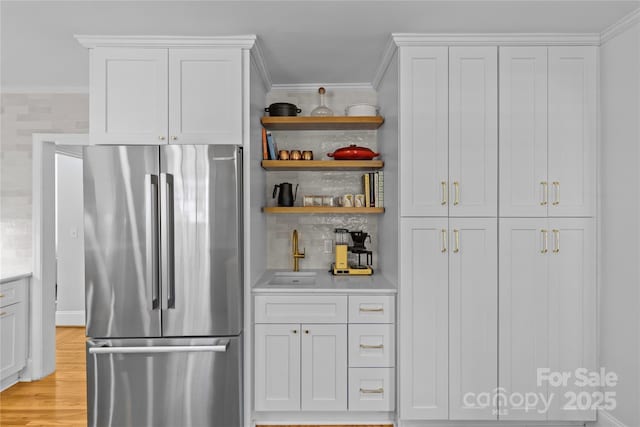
x=314, y=229
x=21, y=115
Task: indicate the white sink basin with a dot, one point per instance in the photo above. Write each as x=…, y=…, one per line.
x=288, y=278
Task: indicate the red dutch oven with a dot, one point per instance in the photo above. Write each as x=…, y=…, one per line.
x=353, y=152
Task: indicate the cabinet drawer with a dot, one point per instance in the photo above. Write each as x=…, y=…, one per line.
x=11, y=293
x=301, y=309
x=371, y=346
x=371, y=389
x=371, y=309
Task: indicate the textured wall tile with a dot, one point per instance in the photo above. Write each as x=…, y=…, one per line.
x=22, y=116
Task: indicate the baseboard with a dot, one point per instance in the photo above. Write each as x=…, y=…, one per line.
x=605, y=419
x=70, y=318
x=7, y=382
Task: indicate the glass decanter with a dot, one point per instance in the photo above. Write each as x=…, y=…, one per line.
x=322, y=109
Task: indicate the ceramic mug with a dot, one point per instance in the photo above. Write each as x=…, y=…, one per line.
x=295, y=155
x=307, y=155
x=359, y=201
x=347, y=200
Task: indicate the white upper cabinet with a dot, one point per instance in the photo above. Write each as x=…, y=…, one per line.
x=167, y=90
x=523, y=131
x=128, y=96
x=423, y=131
x=473, y=315
x=424, y=316
x=205, y=95
x=572, y=130
x=547, y=131
x=473, y=131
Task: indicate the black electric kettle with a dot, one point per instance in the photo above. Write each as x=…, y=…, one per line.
x=286, y=196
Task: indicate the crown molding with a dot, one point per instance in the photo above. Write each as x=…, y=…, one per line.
x=619, y=27
x=389, y=51
x=307, y=87
x=44, y=89
x=90, y=42
x=258, y=59
x=500, y=39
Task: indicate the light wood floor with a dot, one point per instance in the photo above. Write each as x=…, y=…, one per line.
x=59, y=399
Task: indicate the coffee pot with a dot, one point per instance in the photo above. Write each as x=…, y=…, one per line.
x=286, y=196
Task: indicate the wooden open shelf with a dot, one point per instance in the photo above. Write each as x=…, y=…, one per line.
x=321, y=165
x=322, y=123
x=320, y=210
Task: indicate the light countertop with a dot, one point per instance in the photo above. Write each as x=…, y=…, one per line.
x=11, y=276
x=327, y=283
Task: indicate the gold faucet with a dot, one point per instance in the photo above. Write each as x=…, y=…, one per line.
x=296, y=255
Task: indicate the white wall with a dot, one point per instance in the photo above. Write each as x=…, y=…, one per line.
x=70, y=241
x=620, y=219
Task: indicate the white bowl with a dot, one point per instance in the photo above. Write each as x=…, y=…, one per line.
x=361, y=110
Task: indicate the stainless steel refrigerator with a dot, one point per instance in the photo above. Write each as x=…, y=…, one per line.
x=164, y=294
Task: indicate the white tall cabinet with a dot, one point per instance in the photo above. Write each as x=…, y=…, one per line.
x=177, y=90
x=497, y=246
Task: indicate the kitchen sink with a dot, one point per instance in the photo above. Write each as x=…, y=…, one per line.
x=284, y=278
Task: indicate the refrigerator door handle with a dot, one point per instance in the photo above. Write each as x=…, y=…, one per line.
x=217, y=348
x=151, y=190
x=168, y=250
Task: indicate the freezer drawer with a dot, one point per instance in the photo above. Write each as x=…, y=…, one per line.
x=165, y=382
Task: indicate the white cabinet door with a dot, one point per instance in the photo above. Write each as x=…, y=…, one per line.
x=572, y=130
x=13, y=336
x=205, y=95
x=572, y=308
x=473, y=131
x=128, y=102
x=524, y=312
x=324, y=367
x=523, y=132
x=423, y=131
x=277, y=367
x=424, y=296
x=473, y=315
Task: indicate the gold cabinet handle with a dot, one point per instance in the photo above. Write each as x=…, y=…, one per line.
x=456, y=188
x=3, y=313
x=556, y=241
x=368, y=310
x=444, y=192
x=556, y=186
x=456, y=234
x=545, y=241
x=545, y=193
x=444, y=240
x=1, y=295
x=367, y=346
x=372, y=390
x=161, y=138
x=174, y=138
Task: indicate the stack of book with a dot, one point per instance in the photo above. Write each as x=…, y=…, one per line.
x=373, y=188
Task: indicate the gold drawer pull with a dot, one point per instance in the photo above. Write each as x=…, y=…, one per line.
x=1, y=295
x=556, y=235
x=3, y=313
x=556, y=185
x=372, y=391
x=545, y=235
x=444, y=240
x=456, y=233
x=379, y=309
x=367, y=346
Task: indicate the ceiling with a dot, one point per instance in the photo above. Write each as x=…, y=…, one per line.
x=304, y=41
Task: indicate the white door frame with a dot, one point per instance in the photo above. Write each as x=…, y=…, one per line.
x=42, y=310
